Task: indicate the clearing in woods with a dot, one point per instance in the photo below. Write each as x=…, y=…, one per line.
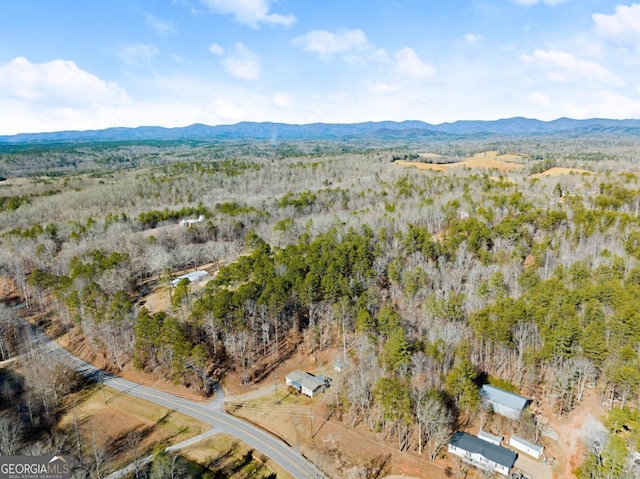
x=485, y=160
x=557, y=171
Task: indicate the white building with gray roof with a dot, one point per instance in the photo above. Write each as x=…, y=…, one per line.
x=503, y=402
x=305, y=383
x=482, y=454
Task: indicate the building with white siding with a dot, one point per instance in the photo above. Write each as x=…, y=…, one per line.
x=482, y=454
x=305, y=383
x=534, y=450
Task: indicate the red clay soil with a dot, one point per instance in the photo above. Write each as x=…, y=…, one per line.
x=569, y=430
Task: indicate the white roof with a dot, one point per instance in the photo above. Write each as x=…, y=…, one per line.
x=525, y=443
x=505, y=398
x=296, y=375
x=193, y=277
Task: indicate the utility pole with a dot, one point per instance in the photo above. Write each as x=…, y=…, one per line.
x=104, y=397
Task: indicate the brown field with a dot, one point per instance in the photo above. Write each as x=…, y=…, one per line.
x=426, y=166
x=509, y=157
x=228, y=456
x=121, y=416
x=486, y=160
x=557, y=171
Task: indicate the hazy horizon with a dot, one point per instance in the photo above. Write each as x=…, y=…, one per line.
x=71, y=65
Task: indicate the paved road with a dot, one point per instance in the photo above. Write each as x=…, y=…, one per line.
x=211, y=412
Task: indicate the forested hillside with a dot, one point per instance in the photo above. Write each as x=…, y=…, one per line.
x=430, y=283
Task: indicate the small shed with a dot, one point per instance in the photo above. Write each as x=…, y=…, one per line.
x=535, y=450
x=504, y=402
x=485, y=436
x=482, y=454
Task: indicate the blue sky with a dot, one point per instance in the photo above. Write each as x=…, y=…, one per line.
x=76, y=64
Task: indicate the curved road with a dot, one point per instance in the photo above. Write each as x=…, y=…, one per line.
x=211, y=412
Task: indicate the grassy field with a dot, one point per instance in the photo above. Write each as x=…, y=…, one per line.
x=122, y=426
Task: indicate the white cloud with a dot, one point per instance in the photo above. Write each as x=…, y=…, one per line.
x=242, y=63
x=552, y=3
x=351, y=45
x=280, y=100
x=179, y=59
x=538, y=99
x=406, y=73
x=409, y=64
x=216, y=49
x=383, y=88
x=57, y=82
x=562, y=67
x=162, y=27
x=605, y=104
x=135, y=55
x=472, y=37
x=249, y=12
x=623, y=25
x=56, y=95
x=593, y=49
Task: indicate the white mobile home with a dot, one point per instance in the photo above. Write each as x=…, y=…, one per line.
x=482, y=454
x=535, y=450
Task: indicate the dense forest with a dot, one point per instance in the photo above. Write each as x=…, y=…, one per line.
x=430, y=283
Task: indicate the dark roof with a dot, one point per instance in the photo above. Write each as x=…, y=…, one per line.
x=498, y=454
x=500, y=396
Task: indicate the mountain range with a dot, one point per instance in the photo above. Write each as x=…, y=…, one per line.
x=334, y=131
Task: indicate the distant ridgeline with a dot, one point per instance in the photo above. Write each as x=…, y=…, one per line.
x=328, y=131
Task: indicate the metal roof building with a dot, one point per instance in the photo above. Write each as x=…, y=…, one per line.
x=503, y=402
